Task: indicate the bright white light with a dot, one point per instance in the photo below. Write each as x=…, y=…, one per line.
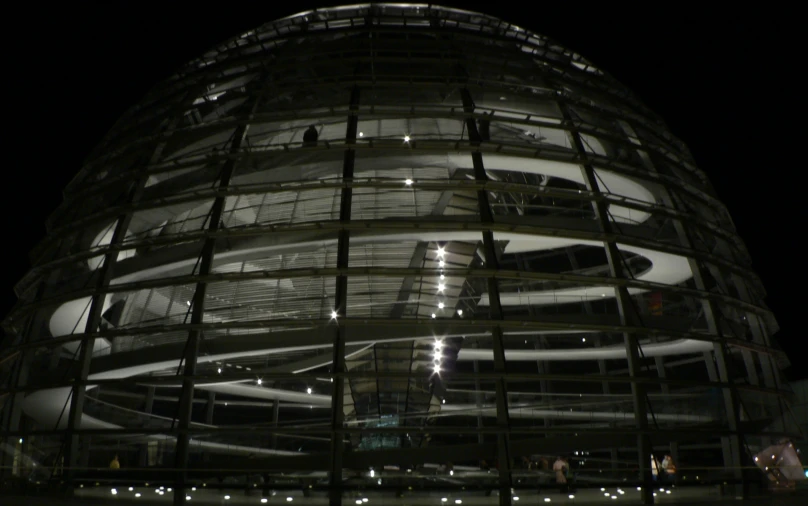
x=288, y=499
x=359, y=501
x=639, y=488
x=583, y=339
x=20, y=440
x=603, y=295
x=451, y=473
x=169, y=489
x=227, y=498
x=264, y=500
x=308, y=390
x=441, y=287
x=380, y=481
x=113, y=491
x=662, y=490
x=443, y=499
x=434, y=315
x=572, y=496
x=219, y=370
x=441, y=251
x=546, y=499
x=603, y=489
x=364, y=499
x=756, y=459
x=444, y=402
x=372, y=473
x=460, y=312
x=408, y=182
x=259, y=381
x=654, y=494
x=614, y=497
x=361, y=134
x=441, y=305
x=442, y=277
x=187, y=497
x=131, y=489
x=192, y=488
x=137, y=495
x=333, y=315
x=667, y=491
x=442, y=263
x=458, y=501
x=516, y=498
x=188, y=302
x=606, y=494
x=406, y=138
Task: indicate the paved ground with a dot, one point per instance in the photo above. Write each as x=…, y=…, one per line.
x=701, y=496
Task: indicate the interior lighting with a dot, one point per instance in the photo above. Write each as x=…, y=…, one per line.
x=187, y=497
x=434, y=315
x=333, y=315
x=169, y=489
x=188, y=302
x=408, y=182
x=137, y=495
x=442, y=263
x=460, y=312
x=516, y=498
x=572, y=496
x=364, y=499
x=219, y=370
x=583, y=339
x=451, y=473
x=458, y=501
x=227, y=498
x=441, y=287
x=546, y=499
x=441, y=251
x=441, y=305
x=289, y=499
x=20, y=440
x=442, y=277
x=372, y=473
x=308, y=390
x=361, y=134
x=444, y=402
x=192, y=488
x=406, y=138
x=667, y=491
x=359, y=501
x=114, y=491
x=259, y=381
x=639, y=488
x=603, y=489
x=443, y=499
x=264, y=500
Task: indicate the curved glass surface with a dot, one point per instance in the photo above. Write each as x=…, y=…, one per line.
x=389, y=251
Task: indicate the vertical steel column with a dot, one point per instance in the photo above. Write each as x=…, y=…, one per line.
x=717, y=371
x=276, y=412
x=628, y=314
x=103, y=277
x=495, y=308
x=198, y=316
x=340, y=307
x=148, y=406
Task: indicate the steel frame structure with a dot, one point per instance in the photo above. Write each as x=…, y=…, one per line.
x=479, y=201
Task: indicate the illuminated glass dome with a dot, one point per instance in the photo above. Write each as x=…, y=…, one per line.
x=395, y=250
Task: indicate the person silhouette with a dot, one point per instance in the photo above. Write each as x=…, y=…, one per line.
x=310, y=137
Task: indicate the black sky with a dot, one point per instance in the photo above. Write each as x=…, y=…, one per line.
x=726, y=82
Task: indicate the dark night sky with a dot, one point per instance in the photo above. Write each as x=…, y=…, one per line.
x=725, y=81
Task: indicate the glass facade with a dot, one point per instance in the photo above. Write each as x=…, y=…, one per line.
x=389, y=249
